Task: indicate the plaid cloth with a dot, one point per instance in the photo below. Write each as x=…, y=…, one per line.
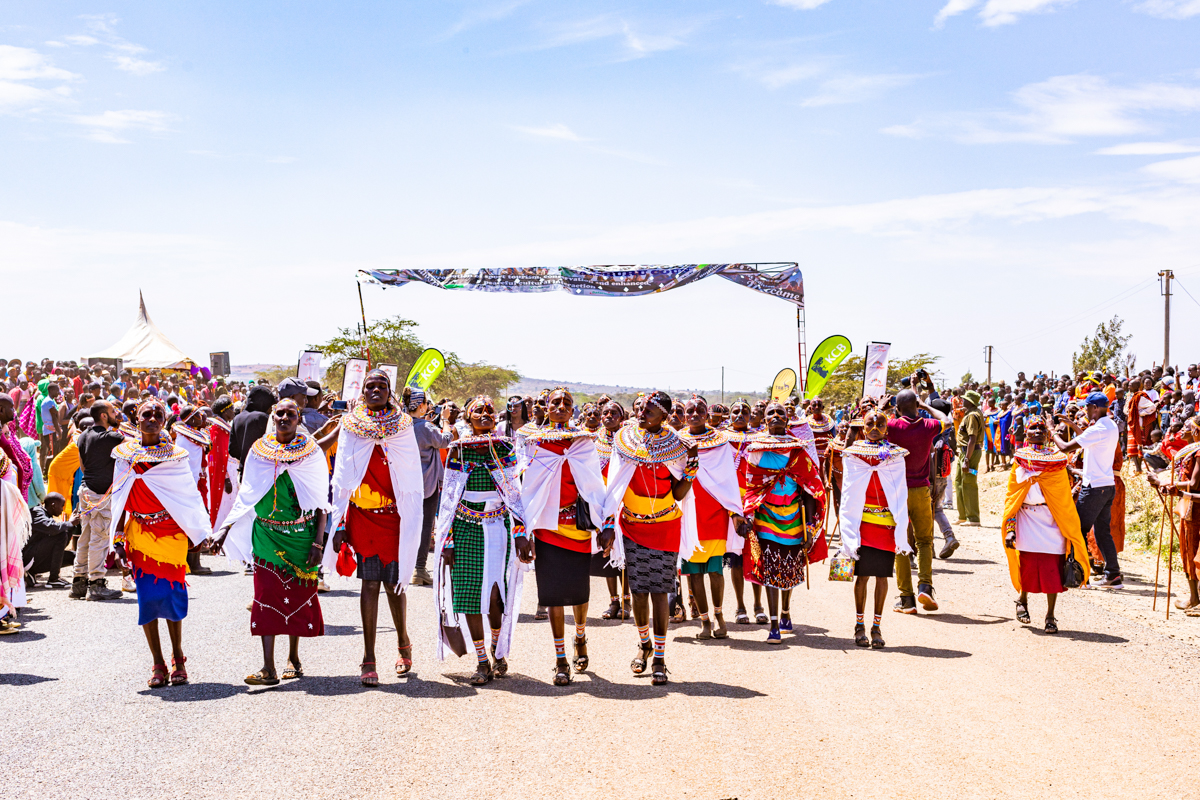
x=467, y=573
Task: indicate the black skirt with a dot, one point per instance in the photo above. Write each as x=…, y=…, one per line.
x=874, y=563
x=600, y=568
x=562, y=575
x=649, y=571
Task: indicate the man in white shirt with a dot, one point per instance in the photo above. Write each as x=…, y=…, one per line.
x=1099, y=443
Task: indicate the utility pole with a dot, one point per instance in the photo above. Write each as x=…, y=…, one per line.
x=987, y=352
x=1164, y=280
x=722, y=386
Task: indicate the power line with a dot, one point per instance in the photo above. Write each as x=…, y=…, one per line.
x=1189, y=294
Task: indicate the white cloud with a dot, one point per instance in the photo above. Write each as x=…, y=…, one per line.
x=109, y=126
x=483, y=14
x=20, y=69
x=804, y=5
x=556, y=131
x=136, y=66
x=1169, y=9
x=121, y=52
x=1005, y=12
x=776, y=77
x=1000, y=12
x=636, y=38
x=856, y=88
x=953, y=8
x=1062, y=109
x=1148, y=149
x=1184, y=170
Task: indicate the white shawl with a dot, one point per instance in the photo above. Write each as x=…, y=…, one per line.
x=541, y=483
x=173, y=485
x=195, y=455
x=620, y=473
x=404, y=468
x=497, y=540
x=718, y=476
x=310, y=476
x=856, y=476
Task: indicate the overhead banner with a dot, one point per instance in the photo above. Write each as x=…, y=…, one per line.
x=875, y=371
x=425, y=370
x=825, y=359
x=781, y=387
x=780, y=279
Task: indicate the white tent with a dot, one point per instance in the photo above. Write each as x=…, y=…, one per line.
x=145, y=347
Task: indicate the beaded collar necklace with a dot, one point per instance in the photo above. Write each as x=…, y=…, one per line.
x=5, y=463
x=222, y=424
x=528, y=429
x=385, y=424
x=710, y=438
x=643, y=447
x=130, y=431
x=1187, y=452
x=135, y=452
x=268, y=448
x=482, y=438
x=769, y=441
x=559, y=433
x=821, y=426
x=1040, y=457
x=188, y=432
x=875, y=451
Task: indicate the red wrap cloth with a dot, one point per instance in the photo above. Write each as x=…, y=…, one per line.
x=802, y=469
x=375, y=532
x=218, y=466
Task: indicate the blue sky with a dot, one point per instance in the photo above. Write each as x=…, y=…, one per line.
x=949, y=174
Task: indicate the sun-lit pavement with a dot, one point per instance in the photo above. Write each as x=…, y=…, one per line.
x=962, y=703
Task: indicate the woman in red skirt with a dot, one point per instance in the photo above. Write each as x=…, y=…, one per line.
x=1040, y=523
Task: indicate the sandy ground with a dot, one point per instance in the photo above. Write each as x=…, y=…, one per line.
x=962, y=703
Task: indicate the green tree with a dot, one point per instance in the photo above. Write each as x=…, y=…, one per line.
x=845, y=384
x=274, y=375
x=393, y=341
x=967, y=378
x=1104, y=351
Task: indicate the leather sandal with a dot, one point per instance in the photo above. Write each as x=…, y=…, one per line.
x=860, y=636
x=541, y=613
x=1051, y=625
x=719, y=629
x=638, y=665
x=614, y=609
x=658, y=674
x=760, y=617
x=292, y=670
x=262, y=678
x=876, y=638
x=562, y=674
x=581, y=658
x=404, y=663
x=627, y=607
x=158, y=677
x=499, y=666
x=179, y=671
x=368, y=677
x=741, y=618
x=482, y=675
x=1022, y=612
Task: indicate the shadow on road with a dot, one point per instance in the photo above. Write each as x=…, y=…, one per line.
x=968, y=561
x=20, y=679
x=193, y=692
x=1078, y=636
x=336, y=686
x=23, y=635
x=602, y=689
x=959, y=619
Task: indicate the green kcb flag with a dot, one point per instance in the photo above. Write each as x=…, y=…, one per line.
x=426, y=369
x=825, y=359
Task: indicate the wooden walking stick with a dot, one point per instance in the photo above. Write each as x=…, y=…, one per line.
x=1162, y=521
x=1170, y=556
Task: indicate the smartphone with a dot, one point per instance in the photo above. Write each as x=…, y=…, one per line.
x=339, y=405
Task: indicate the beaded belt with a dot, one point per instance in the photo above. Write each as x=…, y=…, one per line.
x=471, y=515
x=151, y=519
x=567, y=513
x=281, y=525
x=389, y=508
x=657, y=515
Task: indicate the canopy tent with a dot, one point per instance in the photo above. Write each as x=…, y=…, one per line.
x=781, y=279
x=144, y=347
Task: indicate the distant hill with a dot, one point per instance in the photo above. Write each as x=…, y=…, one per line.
x=531, y=386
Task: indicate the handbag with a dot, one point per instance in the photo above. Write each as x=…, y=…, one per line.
x=841, y=568
x=451, y=632
x=1186, y=507
x=1072, y=572
x=583, y=515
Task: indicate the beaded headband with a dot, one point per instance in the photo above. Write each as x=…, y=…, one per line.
x=149, y=401
x=381, y=374
x=654, y=399
x=556, y=390
x=474, y=401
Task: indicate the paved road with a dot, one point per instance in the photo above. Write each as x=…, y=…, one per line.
x=962, y=703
